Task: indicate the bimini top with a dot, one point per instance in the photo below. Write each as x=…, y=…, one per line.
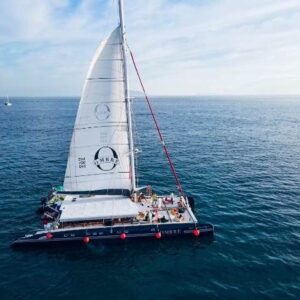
x=97, y=207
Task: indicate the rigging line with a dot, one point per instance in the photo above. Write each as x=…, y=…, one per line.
x=179, y=187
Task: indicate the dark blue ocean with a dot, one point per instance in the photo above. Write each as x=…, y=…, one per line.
x=238, y=156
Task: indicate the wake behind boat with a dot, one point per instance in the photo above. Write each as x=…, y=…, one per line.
x=99, y=199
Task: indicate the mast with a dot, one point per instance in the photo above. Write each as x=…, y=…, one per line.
x=127, y=96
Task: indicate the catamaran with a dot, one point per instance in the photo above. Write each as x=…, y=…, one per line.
x=100, y=199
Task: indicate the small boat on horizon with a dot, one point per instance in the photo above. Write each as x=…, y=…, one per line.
x=100, y=199
x=7, y=102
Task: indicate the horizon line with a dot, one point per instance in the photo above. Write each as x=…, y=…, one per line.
x=164, y=95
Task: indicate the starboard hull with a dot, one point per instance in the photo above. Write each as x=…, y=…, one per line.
x=113, y=233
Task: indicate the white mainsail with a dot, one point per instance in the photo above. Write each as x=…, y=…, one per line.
x=99, y=157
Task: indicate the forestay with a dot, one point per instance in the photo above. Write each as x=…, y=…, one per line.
x=99, y=157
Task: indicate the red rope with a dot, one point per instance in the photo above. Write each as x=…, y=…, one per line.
x=157, y=127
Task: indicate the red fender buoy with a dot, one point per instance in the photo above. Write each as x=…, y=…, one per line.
x=49, y=235
x=158, y=235
x=196, y=232
x=123, y=236
x=86, y=239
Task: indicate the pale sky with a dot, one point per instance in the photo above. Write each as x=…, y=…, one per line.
x=183, y=47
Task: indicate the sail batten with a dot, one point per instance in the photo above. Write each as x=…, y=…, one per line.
x=99, y=157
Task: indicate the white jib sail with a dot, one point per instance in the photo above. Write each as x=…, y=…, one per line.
x=99, y=157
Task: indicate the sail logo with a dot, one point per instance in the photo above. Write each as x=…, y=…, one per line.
x=106, y=158
x=102, y=112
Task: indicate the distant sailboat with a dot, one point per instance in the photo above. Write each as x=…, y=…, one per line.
x=100, y=199
x=7, y=102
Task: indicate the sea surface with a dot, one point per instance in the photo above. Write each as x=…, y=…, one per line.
x=238, y=156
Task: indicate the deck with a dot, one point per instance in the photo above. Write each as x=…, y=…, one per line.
x=76, y=211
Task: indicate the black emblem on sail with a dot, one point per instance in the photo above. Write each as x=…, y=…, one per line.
x=106, y=158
